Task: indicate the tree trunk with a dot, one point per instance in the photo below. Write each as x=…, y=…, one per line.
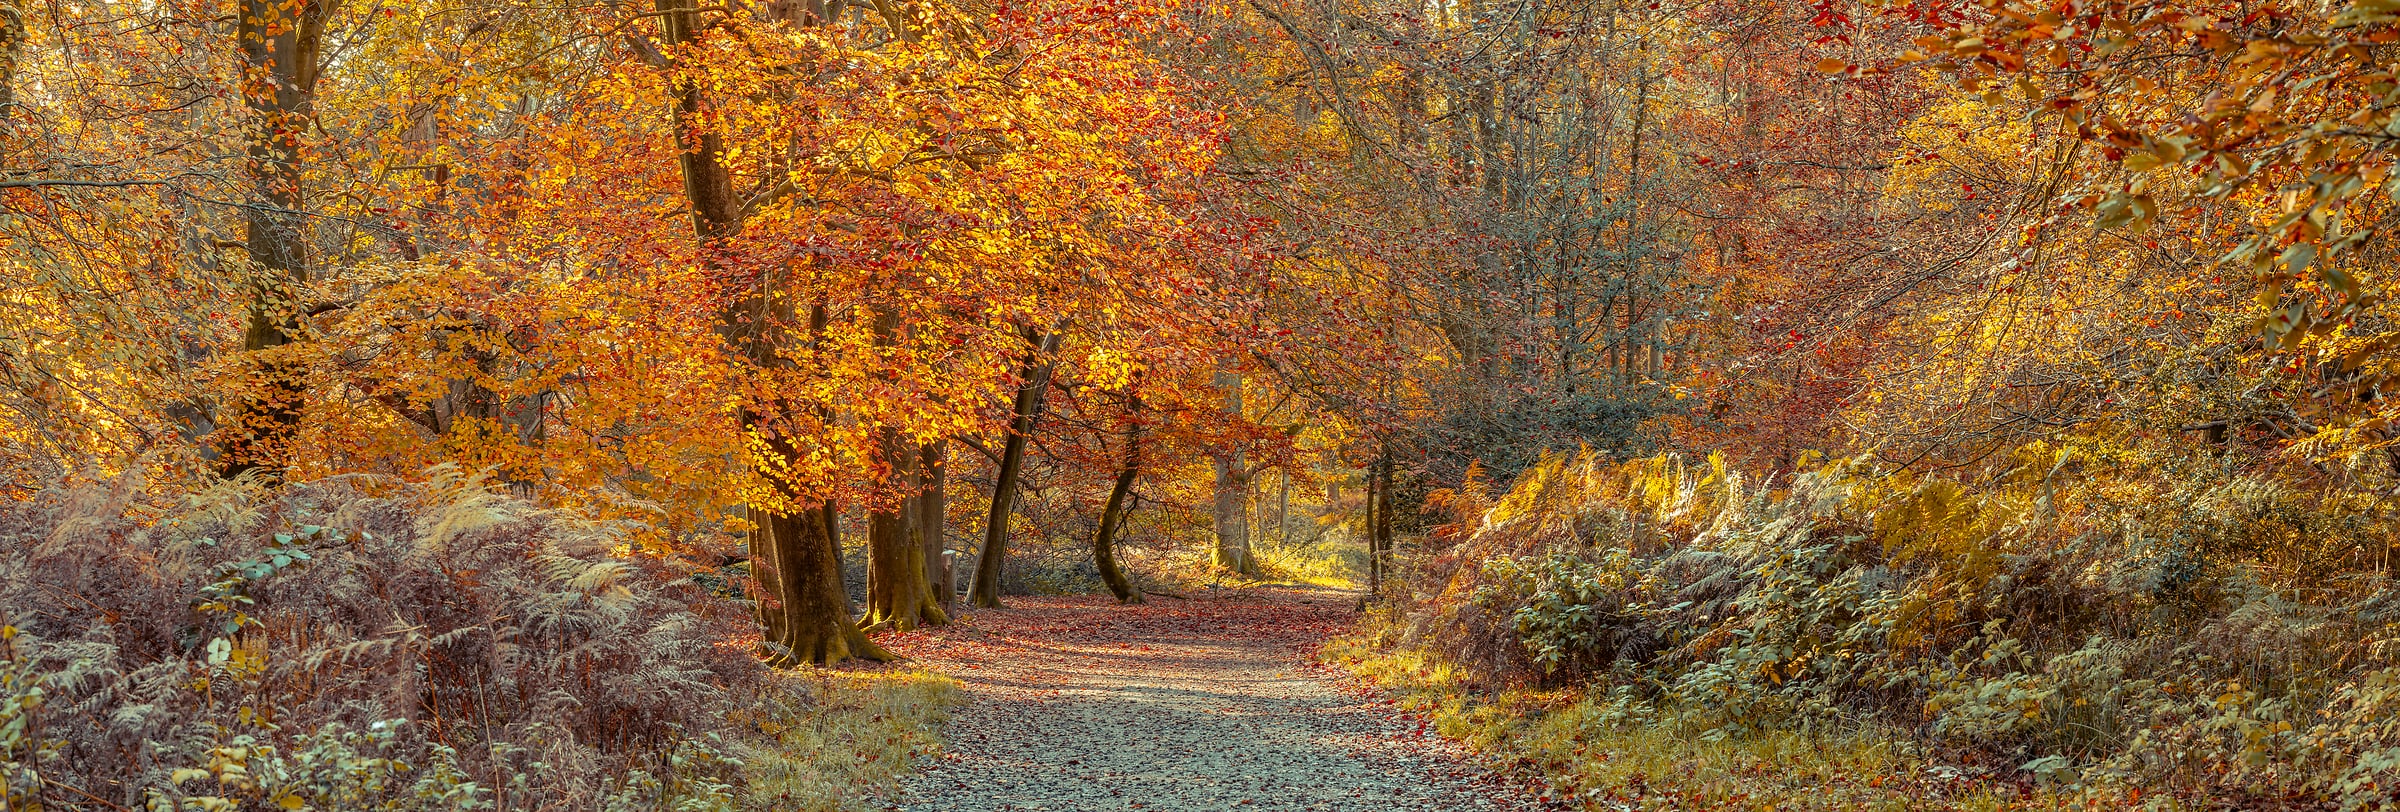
x=12, y=42
x=1283, y=510
x=282, y=48
x=899, y=595
x=1258, y=509
x=1380, y=531
x=1233, y=515
x=1233, y=492
x=1626, y=362
x=795, y=549
x=933, y=512
x=803, y=608
x=1104, y=544
x=984, y=589
x=832, y=518
x=1374, y=546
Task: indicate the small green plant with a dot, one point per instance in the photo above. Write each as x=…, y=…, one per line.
x=1576, y=610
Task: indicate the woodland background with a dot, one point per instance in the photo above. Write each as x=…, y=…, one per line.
x=407, y=404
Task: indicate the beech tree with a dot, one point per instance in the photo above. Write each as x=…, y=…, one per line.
x=794, y=543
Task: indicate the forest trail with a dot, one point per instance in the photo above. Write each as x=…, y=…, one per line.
x=1211, y=703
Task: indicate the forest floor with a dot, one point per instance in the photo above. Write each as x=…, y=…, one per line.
x=1213, y=702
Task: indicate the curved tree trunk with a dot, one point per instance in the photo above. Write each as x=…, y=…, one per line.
x=1374, y=548
x=984, y=590
x=1104, y=544
x=282, y=48
x=1379, y=520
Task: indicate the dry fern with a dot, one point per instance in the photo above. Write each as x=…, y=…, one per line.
x=356, y=644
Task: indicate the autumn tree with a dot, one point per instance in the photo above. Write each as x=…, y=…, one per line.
x=793, y=538
x=2235, y=150
x=1484, y=179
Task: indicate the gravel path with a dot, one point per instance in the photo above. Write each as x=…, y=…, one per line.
x=1202, y=704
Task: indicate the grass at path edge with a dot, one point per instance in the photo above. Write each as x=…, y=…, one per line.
x=845, y=738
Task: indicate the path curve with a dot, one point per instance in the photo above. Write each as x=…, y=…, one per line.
x=1075, y=703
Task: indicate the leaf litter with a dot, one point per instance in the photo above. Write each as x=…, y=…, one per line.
x=1216, y=702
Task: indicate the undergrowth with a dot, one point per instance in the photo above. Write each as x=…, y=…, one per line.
x=1323, y=560
x=1590, y=750
x=367, y=643
x=2087, y=629
x=1329, y=560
